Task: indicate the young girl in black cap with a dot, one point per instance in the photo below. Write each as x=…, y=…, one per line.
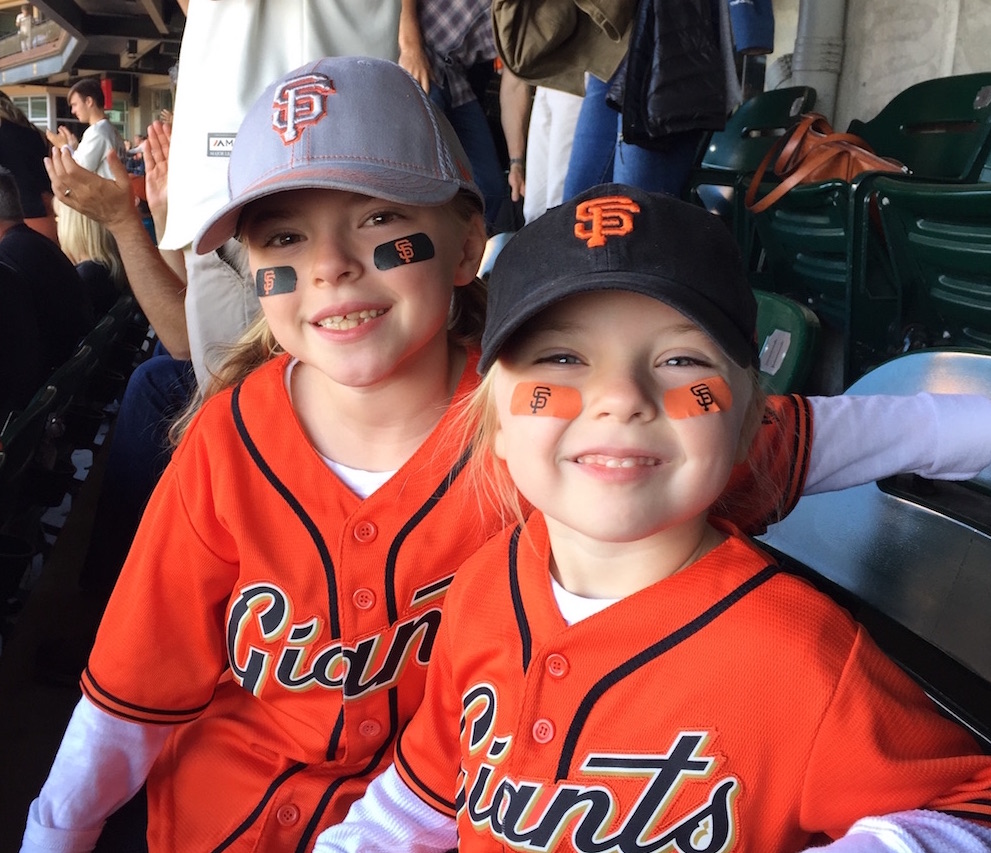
x=624, y=670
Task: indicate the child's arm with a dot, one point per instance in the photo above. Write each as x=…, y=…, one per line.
x=859, y=439
x=100, y=765
x=390, y=817
x=912, y=832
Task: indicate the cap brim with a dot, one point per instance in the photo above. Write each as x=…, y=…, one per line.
x=678, y=296
x=362, y=178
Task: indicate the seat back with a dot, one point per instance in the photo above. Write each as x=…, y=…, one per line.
x=20, y=439
x=733, y=154
x=787, y=339
x=939, y=128
x=909, y=556
x=816, y=250
x=753, y=128
x=939, y=238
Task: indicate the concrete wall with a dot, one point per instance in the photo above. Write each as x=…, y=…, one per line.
x=891, y=44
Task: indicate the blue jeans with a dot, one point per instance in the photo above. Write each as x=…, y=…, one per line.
x=472, y=128
x=157, y=390
x=599, y=154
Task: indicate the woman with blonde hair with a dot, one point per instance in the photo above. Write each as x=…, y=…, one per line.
x=92, y=248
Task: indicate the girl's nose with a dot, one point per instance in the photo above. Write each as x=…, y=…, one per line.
x=625, y=394
x=336, y=262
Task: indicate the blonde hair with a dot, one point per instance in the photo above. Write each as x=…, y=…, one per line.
x=257, y=345
x=85, y=239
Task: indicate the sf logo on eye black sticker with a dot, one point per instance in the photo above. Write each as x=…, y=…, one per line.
x=703, y=395
x=272, y=280
x=405, y=250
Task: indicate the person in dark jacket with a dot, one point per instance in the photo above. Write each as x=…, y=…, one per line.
x=23, y=150
x=21, y=367
x=600, y=151
x=57, y=295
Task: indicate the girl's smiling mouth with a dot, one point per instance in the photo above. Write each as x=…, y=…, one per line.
x=351, y=320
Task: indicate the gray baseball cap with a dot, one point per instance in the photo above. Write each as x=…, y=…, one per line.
x=344, y=123
x=618, y=237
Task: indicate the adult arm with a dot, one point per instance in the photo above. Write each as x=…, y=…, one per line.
x=100, y=765
x=515, y=97
x=412, y=55
x=157, y=287
x=389, y=817
x=860, y=439
x=155, y=150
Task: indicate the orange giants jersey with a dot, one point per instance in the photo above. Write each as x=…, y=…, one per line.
x=287, y=624
x=730, y=707
x=283, y=620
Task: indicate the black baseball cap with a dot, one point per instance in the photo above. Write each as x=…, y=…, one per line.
x=618, y=237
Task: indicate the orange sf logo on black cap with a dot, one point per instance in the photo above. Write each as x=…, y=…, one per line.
x=604, y=217
x=300, y=102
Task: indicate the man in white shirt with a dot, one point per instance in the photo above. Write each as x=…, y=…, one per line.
x=87, y=104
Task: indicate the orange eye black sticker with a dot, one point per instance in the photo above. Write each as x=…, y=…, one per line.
x=272, y=280
x=405, y=250
x=700, y=398
x=552, y=401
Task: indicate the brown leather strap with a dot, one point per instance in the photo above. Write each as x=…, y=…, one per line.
x=784, y=154
x=816, y=158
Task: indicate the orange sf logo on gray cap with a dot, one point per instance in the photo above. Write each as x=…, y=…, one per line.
x=300, y=102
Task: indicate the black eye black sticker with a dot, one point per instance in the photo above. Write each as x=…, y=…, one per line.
x=405, y=250
x=272, y=280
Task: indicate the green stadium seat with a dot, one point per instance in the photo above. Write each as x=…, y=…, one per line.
x=820, y=244
x=787, y=339
x=939, y=239
x=733, y=154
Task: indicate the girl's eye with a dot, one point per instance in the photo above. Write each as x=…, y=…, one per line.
x=383, y=217
x=283, y=239
x=559, y=358
x=684, y=361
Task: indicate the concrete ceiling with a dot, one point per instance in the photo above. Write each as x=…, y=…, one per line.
x=115, y=37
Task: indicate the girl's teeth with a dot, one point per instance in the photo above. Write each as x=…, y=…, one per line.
x=343, y=322
x=614, y=462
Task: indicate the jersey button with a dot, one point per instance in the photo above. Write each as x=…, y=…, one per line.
x=369, y=728
x=366, y=532
x=364, y=599
x=287, y=815
x=543, y=731
x=557, y=666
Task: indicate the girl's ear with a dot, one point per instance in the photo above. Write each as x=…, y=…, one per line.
x=472, y=250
